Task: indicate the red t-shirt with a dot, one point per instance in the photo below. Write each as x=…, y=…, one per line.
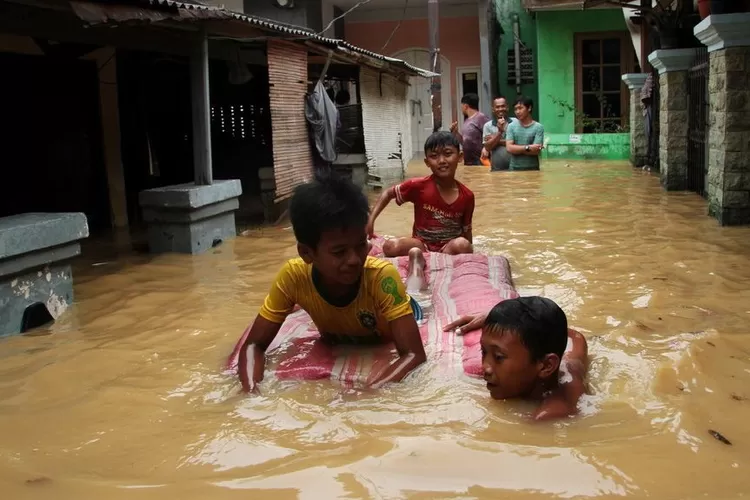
x=435, y=221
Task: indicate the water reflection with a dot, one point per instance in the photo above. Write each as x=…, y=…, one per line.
x=126, y=396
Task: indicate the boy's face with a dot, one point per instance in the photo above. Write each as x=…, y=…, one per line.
x=507, y=365
x=521, y=111
x=443, y=161
x=340, y=255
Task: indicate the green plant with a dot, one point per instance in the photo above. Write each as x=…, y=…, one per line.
x=585, y=122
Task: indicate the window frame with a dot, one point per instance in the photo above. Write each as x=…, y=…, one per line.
x=627, y=65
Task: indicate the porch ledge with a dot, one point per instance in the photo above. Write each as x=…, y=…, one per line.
x=35, y=272
x=723, y=31
x=190, y=195
x=30, y=232
x=667, y=60
x=634, y=81
x=188, y=218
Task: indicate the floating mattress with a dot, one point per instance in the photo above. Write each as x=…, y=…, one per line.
x=458, y=285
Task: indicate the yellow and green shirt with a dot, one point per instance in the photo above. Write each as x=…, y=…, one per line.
x=381, y=299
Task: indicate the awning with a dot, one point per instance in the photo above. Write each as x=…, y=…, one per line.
x=103, y=12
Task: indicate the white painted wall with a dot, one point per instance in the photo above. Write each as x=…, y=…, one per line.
x=386, y=120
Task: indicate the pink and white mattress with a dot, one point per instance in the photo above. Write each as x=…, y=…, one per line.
x=458, y=285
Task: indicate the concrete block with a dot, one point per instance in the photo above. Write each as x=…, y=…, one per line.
x=34, y=252
x=188, y=218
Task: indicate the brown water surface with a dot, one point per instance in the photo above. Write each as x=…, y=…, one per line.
x=126, y=397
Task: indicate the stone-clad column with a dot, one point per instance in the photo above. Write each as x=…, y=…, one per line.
x=638, y=138
x=728, y=40
x=672, y=65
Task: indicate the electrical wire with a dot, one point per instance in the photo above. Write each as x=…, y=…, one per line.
x=403, y=16
x=357, y=5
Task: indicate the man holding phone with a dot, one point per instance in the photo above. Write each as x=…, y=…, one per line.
x=494, y=136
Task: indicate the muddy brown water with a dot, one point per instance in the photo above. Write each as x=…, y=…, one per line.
x=125, y=396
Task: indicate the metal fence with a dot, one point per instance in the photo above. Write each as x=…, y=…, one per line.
x=697, y=122
x=653, y=138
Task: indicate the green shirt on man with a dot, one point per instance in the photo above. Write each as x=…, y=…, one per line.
x=522, y=136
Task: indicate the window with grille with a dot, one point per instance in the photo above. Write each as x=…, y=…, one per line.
x=601, y=96
x=240, y=122
x=527, y=66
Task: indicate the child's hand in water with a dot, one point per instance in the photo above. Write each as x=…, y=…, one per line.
x=466, y=324
x=250, y=367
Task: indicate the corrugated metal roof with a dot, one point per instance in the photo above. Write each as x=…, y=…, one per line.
x=277, y=27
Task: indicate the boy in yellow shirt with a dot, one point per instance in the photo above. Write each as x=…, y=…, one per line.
x=350, y=296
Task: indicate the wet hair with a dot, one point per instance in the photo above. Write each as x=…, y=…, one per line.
x=539, y=323
x=525, y=101
x=471, y=100
x=326, y=203
x=441, y=139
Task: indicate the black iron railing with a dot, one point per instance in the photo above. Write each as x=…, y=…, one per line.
x=653, y=136
x=697, y=121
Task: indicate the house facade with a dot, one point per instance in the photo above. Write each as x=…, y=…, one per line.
x=402, y=30
x=391, y=108
x=571, y=63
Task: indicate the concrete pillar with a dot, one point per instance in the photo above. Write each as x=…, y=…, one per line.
x=728, y=42
x=672, y=65
x=638, y=138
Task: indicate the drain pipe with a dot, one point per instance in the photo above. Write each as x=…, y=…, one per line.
x=517, y=51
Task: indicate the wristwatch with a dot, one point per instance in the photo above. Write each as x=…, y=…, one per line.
x=528, y=148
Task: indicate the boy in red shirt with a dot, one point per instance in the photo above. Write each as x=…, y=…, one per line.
x=443, y=209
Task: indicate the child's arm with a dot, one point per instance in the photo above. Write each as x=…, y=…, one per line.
x=411, y=353
x=279, y=303
x=468, y=216
x=563, y=401
x=395, y=307
x=385, y=198
x=252, y=361
x=406, y=191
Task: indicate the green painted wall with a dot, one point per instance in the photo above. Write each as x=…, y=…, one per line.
x=587, y=146
x=556, y=61
x=505, y=10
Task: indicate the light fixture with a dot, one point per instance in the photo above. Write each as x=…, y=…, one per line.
x=285, y=4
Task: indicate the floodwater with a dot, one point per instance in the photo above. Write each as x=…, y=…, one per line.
x=126, y=398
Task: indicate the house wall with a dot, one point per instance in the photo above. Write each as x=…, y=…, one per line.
x=459, y=43
x=505, y=10
x=556, y=60
x=386, y=122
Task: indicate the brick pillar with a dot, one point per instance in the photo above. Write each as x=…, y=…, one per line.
x=638, y=139
x=672, y=65
x=728, y=42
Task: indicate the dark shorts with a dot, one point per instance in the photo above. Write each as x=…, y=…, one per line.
x=367, y=340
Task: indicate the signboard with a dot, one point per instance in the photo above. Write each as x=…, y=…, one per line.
x=574, y=139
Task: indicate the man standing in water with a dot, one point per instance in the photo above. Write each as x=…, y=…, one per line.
x=524, y=138
x=494, y=136
x=470, y=135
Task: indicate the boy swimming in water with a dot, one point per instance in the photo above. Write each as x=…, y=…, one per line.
x=529, y=352
x=351, y=297
x=443, y=208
